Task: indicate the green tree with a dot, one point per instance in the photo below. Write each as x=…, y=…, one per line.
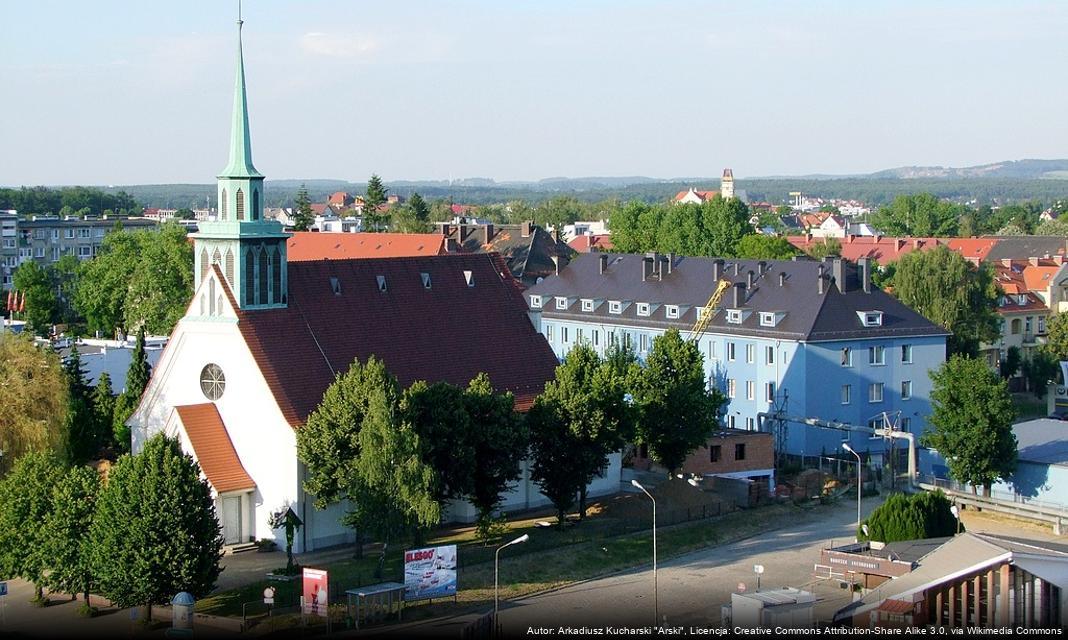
x=918, y=215
x=1056, y=227
x=64, y=545
x=374, y=198
x=83, y=440
x=155, y=532
x=42, y=303
x=678, y=411
x=104, y=280
x=629, y=233
x=162, y=283
x=413, y=216
x=438, y=414
x=590, y=401
x=25, y=503
x=499, y=439
x=65, y=274
x=1010, y=366
x=303, y=218
x=185, y=213
x=33, y=399
x=910, y=517
x=972, y=420
x=395, y=487
x=951, y=292
x=826, y=247
x=1057, y=336
x=554, y=454
x=757, y=246
x=102, y=400
x=137, y=376
x=1039, y=370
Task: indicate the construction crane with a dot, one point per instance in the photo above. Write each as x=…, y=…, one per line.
x=704, y=315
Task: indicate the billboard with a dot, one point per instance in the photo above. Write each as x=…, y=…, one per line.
x=430, y=573
x=315, y=592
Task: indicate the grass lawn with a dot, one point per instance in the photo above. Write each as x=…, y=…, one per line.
x=1028, y=406
x=600, y=545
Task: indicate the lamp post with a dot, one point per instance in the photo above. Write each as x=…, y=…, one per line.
x=656, y=596
x=845, y=445
x=956, y=516
x=496, y=575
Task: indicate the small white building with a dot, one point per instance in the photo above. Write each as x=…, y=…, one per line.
x=786, y=607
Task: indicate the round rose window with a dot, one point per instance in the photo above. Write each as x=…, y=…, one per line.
x=212, y=381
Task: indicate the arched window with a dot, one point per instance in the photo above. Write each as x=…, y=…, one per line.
x=255, y=214
x=219, y=305
x=222, y=205
x=211, y=297
x=230, y=266
x=240, y=204
x=263, y=275
x=203, y=305
x=276, y=276
x=203, y=264
x=216, y=257
x=250, y=277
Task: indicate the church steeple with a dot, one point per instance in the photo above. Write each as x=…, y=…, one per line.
x=240, y=164
x=249, y=251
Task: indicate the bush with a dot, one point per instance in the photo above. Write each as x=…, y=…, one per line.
x=911, y=517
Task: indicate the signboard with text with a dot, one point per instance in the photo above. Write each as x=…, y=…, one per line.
x=430, y=573
x=316, y=593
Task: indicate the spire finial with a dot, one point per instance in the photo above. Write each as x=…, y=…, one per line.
x=239, y=20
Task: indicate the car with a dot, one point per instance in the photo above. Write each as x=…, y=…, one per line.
x=1059, y=414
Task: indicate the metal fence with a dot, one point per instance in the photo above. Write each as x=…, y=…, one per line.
x=996, y=493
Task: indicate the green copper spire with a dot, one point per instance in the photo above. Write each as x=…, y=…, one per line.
x=240, y=164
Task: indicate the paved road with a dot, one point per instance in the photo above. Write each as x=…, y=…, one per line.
x=693, y=587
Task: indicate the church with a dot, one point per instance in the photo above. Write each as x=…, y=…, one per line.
x=263, y=338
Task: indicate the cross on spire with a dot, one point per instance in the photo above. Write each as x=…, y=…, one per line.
x=240, y=161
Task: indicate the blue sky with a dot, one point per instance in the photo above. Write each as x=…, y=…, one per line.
x=124, y=91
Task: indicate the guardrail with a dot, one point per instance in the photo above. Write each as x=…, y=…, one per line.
x=1056, y=516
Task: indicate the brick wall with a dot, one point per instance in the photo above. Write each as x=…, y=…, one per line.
x=759, y=454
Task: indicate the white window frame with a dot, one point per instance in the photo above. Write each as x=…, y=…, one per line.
x=877, y=355
x=846, y=395
x=549, y=332
x=644, y=309
x=563, y=335
x=847, y=356
x=734, y=316
x=561, y=303
x=672, y=311
x=906, y=354
x=587, y=304
x=731, y=351
x=875, y=392
x=767, y=318
x=750, y=424
x=615, y=306
x=906, y=389
x=732, y=388
x=535, y=302
x=730, y=421
x=750, y=353
x=769, y=392
x=769, y=354
x=750, y=390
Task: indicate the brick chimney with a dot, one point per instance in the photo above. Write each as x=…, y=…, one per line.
x=670, y=262
x=762, y=268
x=1033, y=261
x=556, y=264
x=647, y=267
x=525, y=228
x=899, y=243
x=749, y=279
x=602, y=263
x=819, y=279
x=782, y=278
x=487, y=232
x=717, y=269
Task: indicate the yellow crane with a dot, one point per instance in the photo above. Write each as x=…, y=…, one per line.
x=704, y=316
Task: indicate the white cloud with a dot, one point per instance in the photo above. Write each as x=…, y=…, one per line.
x=339, y=46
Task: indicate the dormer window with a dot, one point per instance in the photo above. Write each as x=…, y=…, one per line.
x=381, y=283
x=767, y=319
x=426, y=280
x=672, y=311
x=1021, y=299
x=335, y=286
x=469, y=278
x=587, y=304
x=871, y=318
x=561, y=303
x=615, y=306
x=734, y=316
x=535, y=302
x=643, y=308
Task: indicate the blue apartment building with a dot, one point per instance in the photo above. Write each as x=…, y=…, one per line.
x=814, y=338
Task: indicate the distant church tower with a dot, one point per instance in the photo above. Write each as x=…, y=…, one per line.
x=250, y=251
x=726, y=185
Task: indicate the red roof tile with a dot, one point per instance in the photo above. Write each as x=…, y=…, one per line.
x=889, y=249
x=310, y=245
x=213, y=448
x=895, y=606
x=450, y=332
x=588, y=243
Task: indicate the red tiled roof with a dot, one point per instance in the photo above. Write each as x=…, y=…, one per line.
x=587, y=243
x=703, y=195
x=318, y=209
x=460, y=209
x=889, y=249
x=340, y=197
x=213, y=448
x=1038, y=278
x=309, y=245
x=450, y=332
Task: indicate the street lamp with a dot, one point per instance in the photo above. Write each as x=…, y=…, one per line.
x=845, y=445
x=496, y=574
x=656, y=596
x=956, y=515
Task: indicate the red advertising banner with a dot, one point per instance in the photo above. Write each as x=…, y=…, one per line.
x=316, y=592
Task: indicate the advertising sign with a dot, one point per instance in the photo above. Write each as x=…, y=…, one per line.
x=430, y=573
x=316, y=595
